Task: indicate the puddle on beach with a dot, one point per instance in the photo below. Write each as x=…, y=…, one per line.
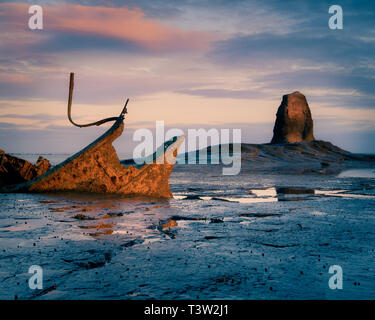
x=149, y=220
x=231, y=225
x=91, y=216
x=274, y=194
x=358, y=173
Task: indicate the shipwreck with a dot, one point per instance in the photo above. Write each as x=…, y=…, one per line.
x=95, y=169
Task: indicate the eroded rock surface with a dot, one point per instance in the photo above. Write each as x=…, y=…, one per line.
x=293, y=120
x=42, y=165
x=14, y=170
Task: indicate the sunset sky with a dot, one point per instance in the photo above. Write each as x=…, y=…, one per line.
x=222, y=64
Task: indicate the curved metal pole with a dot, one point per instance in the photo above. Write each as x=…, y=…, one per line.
x=97, y=123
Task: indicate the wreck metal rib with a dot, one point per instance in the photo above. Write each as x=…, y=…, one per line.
x=96, y=123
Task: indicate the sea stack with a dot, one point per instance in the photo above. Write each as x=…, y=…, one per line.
x=293, y=120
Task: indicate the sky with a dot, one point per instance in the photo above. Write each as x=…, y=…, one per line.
x=189, y=63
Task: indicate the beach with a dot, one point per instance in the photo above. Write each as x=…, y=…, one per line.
x=251, y=236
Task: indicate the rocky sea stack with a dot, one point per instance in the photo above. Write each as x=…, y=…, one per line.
x=293, y=148
x=293, y=120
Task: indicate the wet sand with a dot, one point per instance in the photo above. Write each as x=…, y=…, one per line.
x=252, y=236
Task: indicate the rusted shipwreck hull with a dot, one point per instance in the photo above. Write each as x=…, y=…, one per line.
x=97, y=169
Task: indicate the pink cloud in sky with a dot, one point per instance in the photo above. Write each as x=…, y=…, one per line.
x=9, y=77
x=116, y=23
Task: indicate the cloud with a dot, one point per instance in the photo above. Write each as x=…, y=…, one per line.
x=177, y=60
x=353, y=90
x=304, y=60
x=311, y=57
x=224, y=93
x=6, y=125
x=90, y=40
x=121, y=24
x=295, y=46
x=37, y=116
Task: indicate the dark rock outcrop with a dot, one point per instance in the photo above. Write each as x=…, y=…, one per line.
x=14, y=170
x=293, y=120
x=42, y=166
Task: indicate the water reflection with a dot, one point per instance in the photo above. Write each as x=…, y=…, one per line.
x=358, y=173
x=274, y=194
x=103, y=216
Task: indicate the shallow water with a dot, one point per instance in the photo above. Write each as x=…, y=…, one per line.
x=358, y=173
x=251, y=236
